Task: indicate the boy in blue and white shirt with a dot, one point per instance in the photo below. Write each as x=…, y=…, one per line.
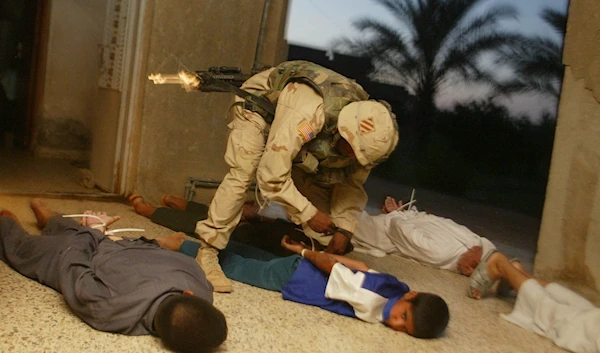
x=331, y=282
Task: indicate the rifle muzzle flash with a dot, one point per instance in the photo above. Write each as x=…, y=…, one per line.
x=188, y=80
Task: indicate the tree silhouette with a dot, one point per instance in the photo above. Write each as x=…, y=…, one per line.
x=536, y=61
x=434, y=43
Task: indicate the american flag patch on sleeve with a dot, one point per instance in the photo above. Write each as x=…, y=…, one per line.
x=306, y=131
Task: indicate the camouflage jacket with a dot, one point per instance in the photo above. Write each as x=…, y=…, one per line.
x=297, y=132
x=318, y=156
x=337, y=90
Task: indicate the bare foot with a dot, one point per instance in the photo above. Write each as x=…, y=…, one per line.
x=174, y=202
x=42, y=212
x=504, y=288
x=390, y=205
x=140, y=206
x=172, y=242
x=517, y=264
x=8, y=214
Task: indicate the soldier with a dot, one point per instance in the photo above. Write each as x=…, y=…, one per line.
x=313, y=158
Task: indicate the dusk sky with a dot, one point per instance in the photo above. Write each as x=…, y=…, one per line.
x=315, y=23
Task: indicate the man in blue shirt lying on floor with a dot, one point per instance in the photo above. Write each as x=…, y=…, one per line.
x=331, y=282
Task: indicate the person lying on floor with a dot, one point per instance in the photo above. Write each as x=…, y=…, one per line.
x=132, y=287
x=331, y=282
x=548, y=309
x=425, y=238
x=177, y=214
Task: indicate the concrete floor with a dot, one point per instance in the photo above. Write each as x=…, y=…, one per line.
x=34, y=318
x=20, y=172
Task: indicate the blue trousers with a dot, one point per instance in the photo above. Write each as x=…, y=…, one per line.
x=250, y=265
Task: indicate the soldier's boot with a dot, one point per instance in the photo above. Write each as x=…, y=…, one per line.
x=208, y=259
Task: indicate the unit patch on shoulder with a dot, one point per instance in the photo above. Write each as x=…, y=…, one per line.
x=306, y=131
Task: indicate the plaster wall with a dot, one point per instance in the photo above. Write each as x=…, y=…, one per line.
x=70, y=85
x=184, y=134
x=569, y=241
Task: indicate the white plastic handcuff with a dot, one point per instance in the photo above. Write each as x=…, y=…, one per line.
x=107, y=232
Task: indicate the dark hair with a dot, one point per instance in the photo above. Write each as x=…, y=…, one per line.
x=430, y=315
x=186, y=323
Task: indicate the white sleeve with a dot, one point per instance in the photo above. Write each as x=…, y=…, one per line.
x=371, y=232
x=346, y=285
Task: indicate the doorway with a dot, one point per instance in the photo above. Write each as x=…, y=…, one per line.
x=54, y=115
x=23, y=39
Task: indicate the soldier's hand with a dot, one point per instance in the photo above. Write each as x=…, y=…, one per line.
x=321, y=223
x=338, y=244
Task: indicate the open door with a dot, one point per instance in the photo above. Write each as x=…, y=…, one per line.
x=19, y=27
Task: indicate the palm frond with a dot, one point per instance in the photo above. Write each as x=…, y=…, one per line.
x=384, y=37
x=470, y=52
x=432, y=41
x=555, y=19
x=484, y=23
x=405, y=11
x=528, y=85
x=536, y=57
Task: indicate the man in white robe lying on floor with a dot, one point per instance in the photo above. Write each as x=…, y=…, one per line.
x=425, y=238
x=548, y=309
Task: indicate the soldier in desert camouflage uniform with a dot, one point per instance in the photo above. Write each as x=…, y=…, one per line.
x=313, y=159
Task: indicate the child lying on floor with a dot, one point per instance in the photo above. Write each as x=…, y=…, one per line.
x=331, y=282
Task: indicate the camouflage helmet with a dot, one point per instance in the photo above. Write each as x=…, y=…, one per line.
x=371, y=129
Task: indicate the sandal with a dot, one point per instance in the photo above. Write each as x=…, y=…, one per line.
x=480, y=280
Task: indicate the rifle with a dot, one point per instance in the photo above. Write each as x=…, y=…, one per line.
x=217, y=79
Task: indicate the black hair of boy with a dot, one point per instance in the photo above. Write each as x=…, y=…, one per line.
x=430, y=315
x=186, y=323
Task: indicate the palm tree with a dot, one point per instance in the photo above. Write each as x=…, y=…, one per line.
x=434, y=43
x=537, y=61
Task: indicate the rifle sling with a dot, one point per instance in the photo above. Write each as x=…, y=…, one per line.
x=263, y=103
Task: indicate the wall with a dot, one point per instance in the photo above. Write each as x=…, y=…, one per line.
x=184, y=134
x=62, y=128
x=569, y=241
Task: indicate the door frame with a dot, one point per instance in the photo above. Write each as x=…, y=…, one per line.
x=38, y=72
x=130, y=110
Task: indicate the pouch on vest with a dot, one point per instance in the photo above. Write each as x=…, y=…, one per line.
x=331, y=176
x=306, y=161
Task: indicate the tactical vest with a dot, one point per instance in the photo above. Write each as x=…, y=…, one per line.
x=318, y=156
x=337, y=90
